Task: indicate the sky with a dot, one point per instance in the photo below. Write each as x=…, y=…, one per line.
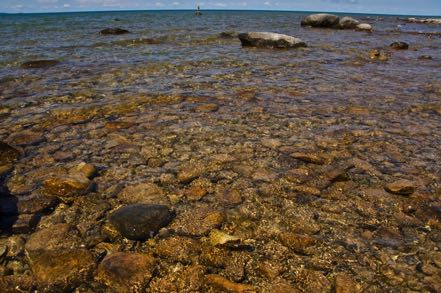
x=413, y=7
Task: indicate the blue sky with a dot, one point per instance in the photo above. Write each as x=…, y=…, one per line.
x=421, y=7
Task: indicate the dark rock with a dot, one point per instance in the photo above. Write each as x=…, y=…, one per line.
x=114, y=31
x=228, y=35
x=399, y=46
x=140, y=221
x=37, y=204
x=321, y=20
x=8, y=154
x=425, y=57
x=39, y=64
x=270, y=40
x=126, y=271
x=348, y=23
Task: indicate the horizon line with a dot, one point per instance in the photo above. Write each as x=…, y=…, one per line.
x=254, y=10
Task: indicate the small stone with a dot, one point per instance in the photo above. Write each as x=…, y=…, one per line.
x=345, y=284
x=126, y=271
x=425, y=57
x=87, y=170
x=399, y=46
x=140, y=221
x=25, y=223
x=8, y=154
x=114, y=31
x=230, y=197
x=146, y=193
x=313, y=158
x=271, y=143
x=306, y=190
x=63, y=269
x=178, y=248
x=401, y=187
x=39, y=64
x=67, y=186
x=220, y=283
x=195, y=193
x=5, y=169
x=219, y=238
x=364, y=27
x=376, y=54
x=207, y=108
x=37, y=204
x=298, y=243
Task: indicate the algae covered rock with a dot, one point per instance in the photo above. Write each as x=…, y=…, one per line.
x=270, y=40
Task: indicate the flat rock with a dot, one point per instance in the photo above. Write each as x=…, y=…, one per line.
x=126, y=271
x=177, y=248
x=298, y=243
x=114, y=31
x=67, y=186
x=220, y=283
x=321, y=20
x=140, y=221
x=146, y=193
x=270, y=40
x=39, y=64
x=401, y=187
x=8, y=154
x=62, y=270
x=348, y=23
x=26, y=138
x=197, y=222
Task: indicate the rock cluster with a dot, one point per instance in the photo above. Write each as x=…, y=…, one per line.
x=325, y=20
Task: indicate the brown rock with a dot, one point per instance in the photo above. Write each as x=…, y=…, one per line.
x=126, y=271
x=306, y=190
x=116, y=125
x=67, y=186
x=63, y=269
x=37, y=204
x=8, y=154
x=14, y=284
x=207, y=108
x=313, y=158
x=298, y=243
x=147, y=193
x=312, y=281
x=376, y=54
x=280, y=287
x=220, y=283
x=189, y=279
x=84, y=169
x=231, y=197
x=345, y=284
x=180, y=249
x=195, y=193
x=271, y=143
x=401, y=187
x=26, y=138
x=197, y=222
x=190, y=171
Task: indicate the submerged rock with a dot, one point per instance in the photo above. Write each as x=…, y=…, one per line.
x=39, y=64
x=224, y=285
x=270, y=40
x=228, y=35
x=321, y=20
x=140, y=221
x=67, y=186
x=26, y=138
x=399, y=46
x=146, y=193
x=377, y=54
x=402, y=187
x=114, y=31
x=126, y=271
x=8, y=154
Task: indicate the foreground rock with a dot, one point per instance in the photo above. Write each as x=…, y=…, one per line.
x=126, y=272
x=401, y=187
x=140, y=221
x=114, y=31
x=8, y=154
x=270, y=40
x=325, y=20
x=67, y=187
x=39, y=64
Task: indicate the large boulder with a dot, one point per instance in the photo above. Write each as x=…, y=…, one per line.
x=364, y=27
x=348, y=23
x=270, y=40
x=321, y=20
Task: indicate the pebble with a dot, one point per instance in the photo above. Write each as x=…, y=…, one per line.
x=114, y=31
x=312, y=158
x=399, y=46
x=401, y=187
x=298, y=243
x=220, y=283
x=67, y=186
x=145, y=193
x=140, y=221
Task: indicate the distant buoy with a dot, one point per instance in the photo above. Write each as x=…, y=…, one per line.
x=198, y=11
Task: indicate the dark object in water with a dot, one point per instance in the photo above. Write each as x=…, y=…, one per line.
x=425, y=57
x=198, y=11
x=117, y=19
x=39, y=64
x=114, y=31
x=399, y=46
x=228, y=35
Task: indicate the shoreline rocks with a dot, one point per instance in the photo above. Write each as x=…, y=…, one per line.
x=399, y=46
x=270, y=40
x=424, y=20
x=325, y=20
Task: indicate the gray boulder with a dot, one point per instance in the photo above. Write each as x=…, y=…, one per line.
x=364, y=27
x=270, y=40
x=348, y=23
x=321, y=20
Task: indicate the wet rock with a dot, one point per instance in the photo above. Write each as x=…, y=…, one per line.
x=207, y=108
x=401, y=187
x=39, y=64
x=126, y=271
x=364, y=27
x=345, y=284
x=85, y=169
x=116, y=125
x=25, y=223
x=63, y=269
x=321, y=20
x=14, y=284
x=181, y=249
x=34, y=204
x=220, y=283
x=377, y=54
x=180, y=279
x=312, y=281
x=399, y=46
x=15, y=245
x=146, y=193
x=5, y=170
x=59, y=236
x=425, y=57
x=195, y=193
x=270, y=40
x=219, y=238
x=280, y=287
x=228, y=35
x=8, y=154
x=197, y=222
x=140, y=221
x=298, y=243
x=424, y=20
x=348, y=23
x=114, y=31
x=271, y=143
x=313, y=158
x=68, y=186
x=190, y=171
x=230, y=197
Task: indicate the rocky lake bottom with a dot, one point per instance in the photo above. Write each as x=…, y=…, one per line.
x=171, y=159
